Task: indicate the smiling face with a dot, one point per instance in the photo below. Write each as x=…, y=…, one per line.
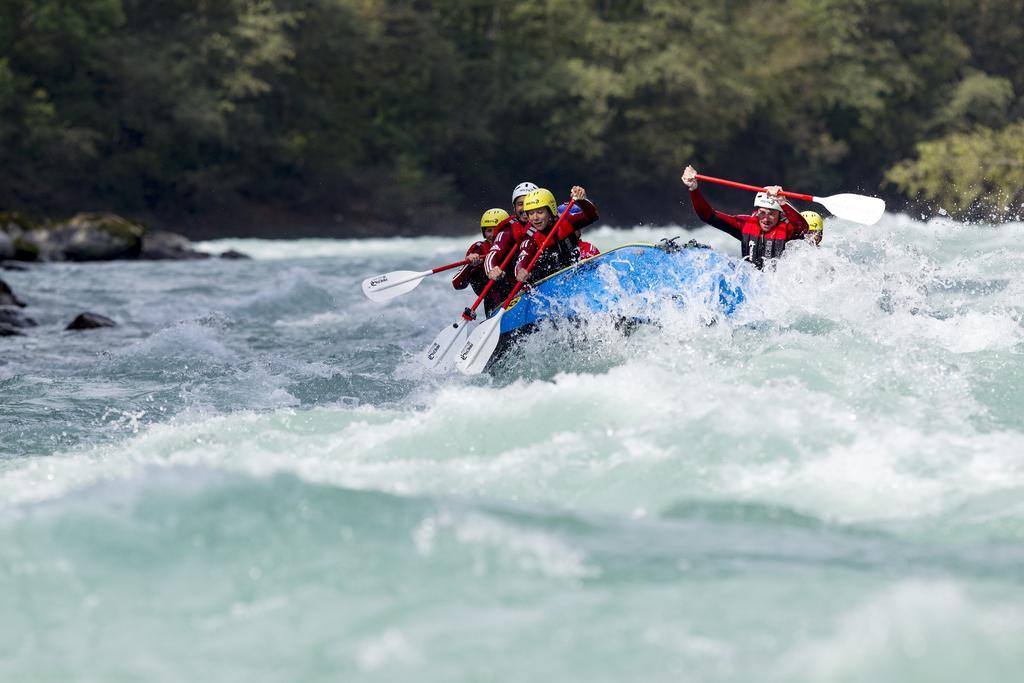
x=767, y=218
x=517, y=207
x=540, y=218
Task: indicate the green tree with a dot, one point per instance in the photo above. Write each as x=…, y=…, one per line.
x=979, y=172
x=52, y=50
x=401, y=113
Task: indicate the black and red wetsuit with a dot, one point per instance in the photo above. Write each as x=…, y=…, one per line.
x=564, y=249
x=757, y=246
x=506, y=236
x=473, y=275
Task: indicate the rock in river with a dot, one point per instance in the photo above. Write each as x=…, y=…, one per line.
x=89, y=321
x=8, y=298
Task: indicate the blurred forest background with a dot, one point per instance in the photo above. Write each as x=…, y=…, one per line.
x=344, y=117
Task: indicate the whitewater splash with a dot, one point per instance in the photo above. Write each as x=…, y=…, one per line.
x=253, y=472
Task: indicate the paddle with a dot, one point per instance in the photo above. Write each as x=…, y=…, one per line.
x=386, y=286
x=853, y=207
x=477, y=350
x=436, y=356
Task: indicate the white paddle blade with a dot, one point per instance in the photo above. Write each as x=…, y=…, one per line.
x=380, y=288
x=439, y=356
x=476, y=352
x=854, y=207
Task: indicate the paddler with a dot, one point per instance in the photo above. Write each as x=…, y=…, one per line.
x=542, y=210
x=815, y=226
x=507, y=235
x=764, y=233
x=472, y=274
x=518, y=197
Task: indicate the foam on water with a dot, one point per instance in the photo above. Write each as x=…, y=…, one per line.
x=930, y=630
x=639, y=437
x=253, y=469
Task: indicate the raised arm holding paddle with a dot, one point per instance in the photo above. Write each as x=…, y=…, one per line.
x=774, y=221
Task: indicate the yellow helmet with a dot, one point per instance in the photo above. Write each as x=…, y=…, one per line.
x=814, y=222
x=492, y=217
x=540, y=198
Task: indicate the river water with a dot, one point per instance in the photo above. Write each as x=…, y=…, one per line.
x=252, y=479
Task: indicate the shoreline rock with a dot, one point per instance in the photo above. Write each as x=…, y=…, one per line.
x=90, y=237
x=161, y=245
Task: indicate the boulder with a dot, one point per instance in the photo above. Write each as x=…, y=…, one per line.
x=8, y=298
x=89, y=237
x=25, y=249
x=160, y=245
x=231, y=254
x=8, y=331
x=89, y=321
x=14, y=237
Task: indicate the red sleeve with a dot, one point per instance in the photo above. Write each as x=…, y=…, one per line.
x=723, y=221
x=461, y=279
x=503, y=241
x=797, y=223
x=578, y=221
x=527, y=248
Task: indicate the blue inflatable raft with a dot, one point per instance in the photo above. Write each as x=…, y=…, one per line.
x=626, y=275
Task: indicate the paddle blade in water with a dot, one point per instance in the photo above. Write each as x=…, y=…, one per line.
x=440, y=354
x=854, y=207
x=476, y=352
x=380, y=288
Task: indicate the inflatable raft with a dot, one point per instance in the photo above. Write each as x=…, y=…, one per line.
x=616, y=281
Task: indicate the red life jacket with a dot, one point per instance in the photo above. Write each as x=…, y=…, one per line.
x=563, y=250
x=756, y=246
x=506, y=236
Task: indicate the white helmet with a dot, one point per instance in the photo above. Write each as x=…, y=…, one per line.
x=523, y=189
x=763, y=201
